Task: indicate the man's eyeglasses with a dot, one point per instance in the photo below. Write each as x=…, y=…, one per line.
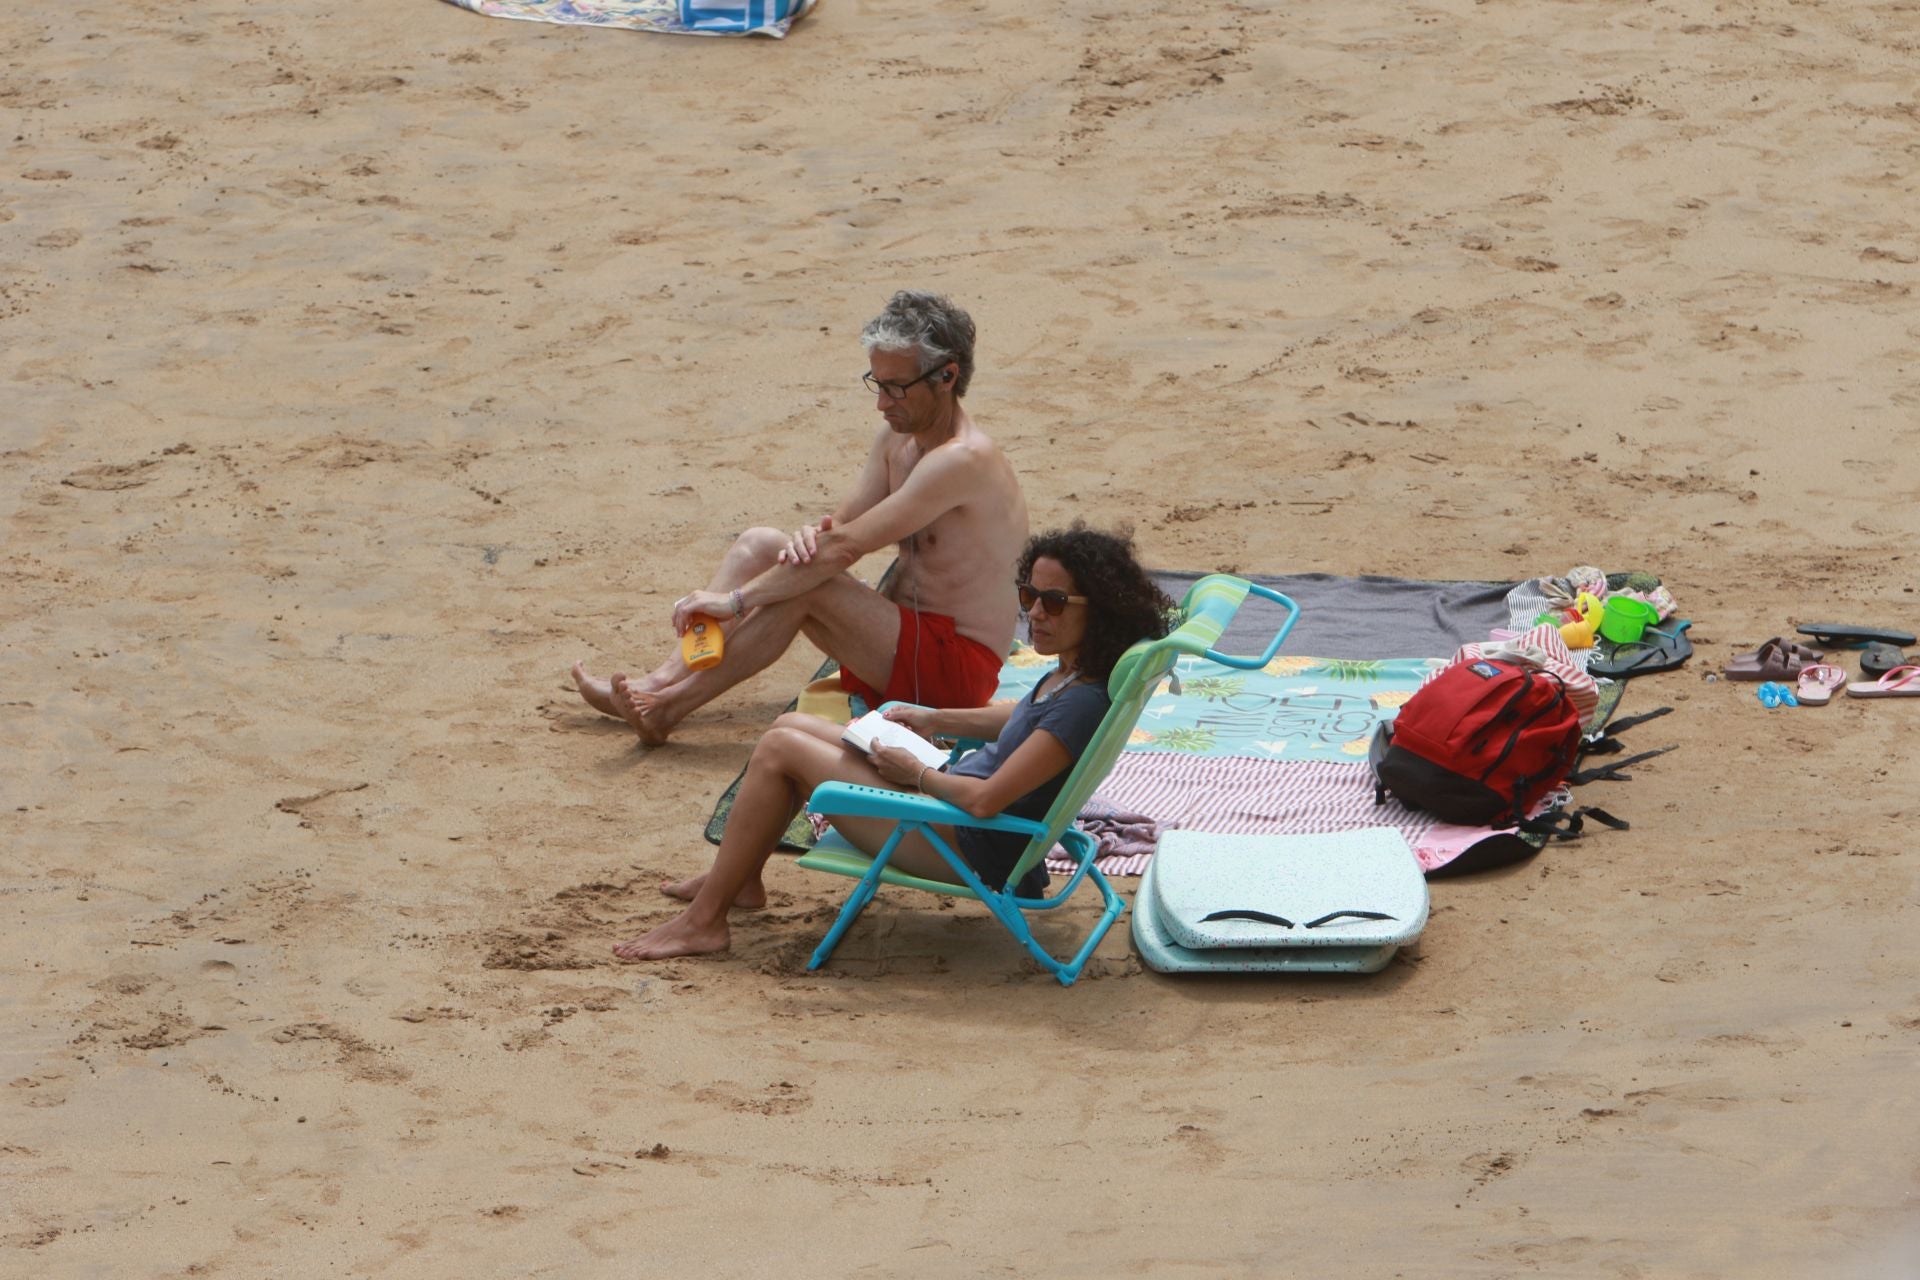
x=1053, y=602
x=895, y=390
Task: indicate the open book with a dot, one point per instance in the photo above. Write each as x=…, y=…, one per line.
x=874, y=729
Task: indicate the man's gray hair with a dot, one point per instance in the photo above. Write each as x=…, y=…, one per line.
x=928, y=325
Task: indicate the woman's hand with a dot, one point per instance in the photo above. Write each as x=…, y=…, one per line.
x=896, y=764
x=918, y=719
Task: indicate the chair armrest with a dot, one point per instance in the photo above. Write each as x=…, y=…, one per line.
x=1273, y=646
x=850, y=799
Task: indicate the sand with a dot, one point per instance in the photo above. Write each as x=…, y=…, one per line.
x=367, y=364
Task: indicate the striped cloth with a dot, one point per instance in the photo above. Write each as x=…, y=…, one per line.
x=1236, y=795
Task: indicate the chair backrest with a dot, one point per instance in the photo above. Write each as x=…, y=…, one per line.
x=1204, y=614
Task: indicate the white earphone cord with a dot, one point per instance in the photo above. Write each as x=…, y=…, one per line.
x=913, y=545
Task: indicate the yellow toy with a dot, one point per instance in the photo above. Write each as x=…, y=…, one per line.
x=1579, y=633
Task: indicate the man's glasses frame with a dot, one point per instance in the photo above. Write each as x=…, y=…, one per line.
x=1054, y=603
x=896, y=390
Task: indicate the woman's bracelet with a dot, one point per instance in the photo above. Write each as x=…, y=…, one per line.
x=920, y=779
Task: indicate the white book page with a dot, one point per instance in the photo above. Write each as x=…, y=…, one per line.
x=873, y=728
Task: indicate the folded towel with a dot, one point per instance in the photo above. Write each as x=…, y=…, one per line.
x=1119, y=834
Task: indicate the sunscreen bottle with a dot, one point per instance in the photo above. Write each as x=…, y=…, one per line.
x=702, y=643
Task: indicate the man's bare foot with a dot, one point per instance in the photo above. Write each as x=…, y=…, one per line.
x=642, y=710
x=752, y=895
x=597, y=693
x=677, y=937
x=630, y=707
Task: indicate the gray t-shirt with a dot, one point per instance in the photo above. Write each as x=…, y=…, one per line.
x=1072, y=716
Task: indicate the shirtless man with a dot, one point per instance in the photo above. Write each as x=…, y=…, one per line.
x=935, y=487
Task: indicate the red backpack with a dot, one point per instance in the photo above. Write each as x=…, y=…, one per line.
x=1480, y=744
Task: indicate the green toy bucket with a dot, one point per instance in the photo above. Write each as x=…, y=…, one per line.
x=1625, y=619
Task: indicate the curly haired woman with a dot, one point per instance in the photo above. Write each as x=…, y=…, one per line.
x=1087, y=601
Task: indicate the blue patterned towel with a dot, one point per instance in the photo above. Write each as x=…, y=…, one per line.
x=680, y=17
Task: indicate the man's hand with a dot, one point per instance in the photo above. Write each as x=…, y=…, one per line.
x=715, y=604
x=804, y=543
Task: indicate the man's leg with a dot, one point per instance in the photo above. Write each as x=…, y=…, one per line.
x=750, y=555
x=854, y=624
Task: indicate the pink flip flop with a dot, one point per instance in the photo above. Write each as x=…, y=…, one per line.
x=1819, y=681
x=1901, y=682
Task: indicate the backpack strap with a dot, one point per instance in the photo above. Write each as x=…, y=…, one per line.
x=1570, y=824
x=1605, y=740
x=1513, y=739
x=1612, y=772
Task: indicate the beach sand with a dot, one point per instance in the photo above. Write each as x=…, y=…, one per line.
x=368, y=364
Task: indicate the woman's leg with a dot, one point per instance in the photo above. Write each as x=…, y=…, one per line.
x=769, y=796
x=914, y=854
x=789, y=761
x=753, y=895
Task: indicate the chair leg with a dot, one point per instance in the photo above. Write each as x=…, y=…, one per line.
x=849, y=912
x=1069, y=970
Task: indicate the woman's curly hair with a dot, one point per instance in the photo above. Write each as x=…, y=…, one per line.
x=1123, y=604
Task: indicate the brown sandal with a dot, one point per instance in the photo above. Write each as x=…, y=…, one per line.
x=1777, y=659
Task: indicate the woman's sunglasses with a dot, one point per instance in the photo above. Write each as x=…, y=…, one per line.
x=1053, y=602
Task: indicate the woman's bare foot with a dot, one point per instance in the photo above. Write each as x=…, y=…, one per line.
x=752, y=895
x=596, y=692
x=677, y=937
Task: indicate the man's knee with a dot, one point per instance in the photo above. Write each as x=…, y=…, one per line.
x=760, y=543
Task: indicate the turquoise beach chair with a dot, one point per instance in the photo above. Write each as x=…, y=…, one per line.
x=1208, y=608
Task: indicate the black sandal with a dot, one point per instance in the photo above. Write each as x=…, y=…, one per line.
x=1880, y=659
x=1838, y=635
x=1660, y=649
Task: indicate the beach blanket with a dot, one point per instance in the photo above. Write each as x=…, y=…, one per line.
x=1278, y=751
x=1229, y=747
x=677, y=17
x=1365, y=617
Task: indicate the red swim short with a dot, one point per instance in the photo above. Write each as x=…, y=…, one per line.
x=954, y=671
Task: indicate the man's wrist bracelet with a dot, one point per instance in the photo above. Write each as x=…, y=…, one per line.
x=739, y=605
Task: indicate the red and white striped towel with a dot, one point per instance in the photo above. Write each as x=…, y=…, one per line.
x=1236, y=795
x=1543, y=648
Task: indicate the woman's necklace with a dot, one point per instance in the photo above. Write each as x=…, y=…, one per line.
x=1067, y=677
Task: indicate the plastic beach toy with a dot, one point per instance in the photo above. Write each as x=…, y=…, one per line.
x=1624, y=619
x=1579, y=633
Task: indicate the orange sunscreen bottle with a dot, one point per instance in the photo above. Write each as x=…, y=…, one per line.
x=702, y=642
